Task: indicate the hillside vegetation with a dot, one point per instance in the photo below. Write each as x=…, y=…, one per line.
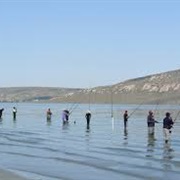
x=161, y=88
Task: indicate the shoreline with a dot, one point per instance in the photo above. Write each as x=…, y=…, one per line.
x=9, y=175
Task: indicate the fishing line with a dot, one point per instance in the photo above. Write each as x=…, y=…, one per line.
x=135, y=110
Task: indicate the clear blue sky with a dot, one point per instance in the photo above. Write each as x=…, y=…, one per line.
x=86, y=43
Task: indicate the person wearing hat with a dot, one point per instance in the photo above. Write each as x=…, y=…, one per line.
x=167, y=125
x=151, y=123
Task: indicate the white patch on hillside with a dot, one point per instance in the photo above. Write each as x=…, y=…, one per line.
x=69, y=94
x=177, y=87
x=129, y=87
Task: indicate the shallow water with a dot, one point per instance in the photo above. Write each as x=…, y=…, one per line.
x=45, y=150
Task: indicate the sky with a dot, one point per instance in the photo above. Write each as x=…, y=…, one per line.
x=86, y=43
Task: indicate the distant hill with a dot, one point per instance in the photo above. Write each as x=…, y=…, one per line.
x=161, y=88
x=35, y=94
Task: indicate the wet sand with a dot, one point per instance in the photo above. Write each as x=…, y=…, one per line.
x=8, y=175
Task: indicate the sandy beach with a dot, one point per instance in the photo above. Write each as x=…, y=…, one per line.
x=8, y=175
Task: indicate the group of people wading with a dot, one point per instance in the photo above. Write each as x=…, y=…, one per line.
x=65, y=116
x=167, y=124
x=14, y=112
x=167, y=121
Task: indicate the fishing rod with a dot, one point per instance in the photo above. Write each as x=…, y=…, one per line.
x=74, y=107
x=176, y=116
x=112, y=107
x=135, y=110
x=112, y=110
x=174, y=121
x=155, y=109
x=89, y=98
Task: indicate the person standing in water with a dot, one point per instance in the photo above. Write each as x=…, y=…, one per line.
x=151, y=123
x=1, y=111
x=67, y=113
x=14, y=113
x=49, y=114
x=125, y=116
x=88, y=118
x=65, y=116
x=167, y=125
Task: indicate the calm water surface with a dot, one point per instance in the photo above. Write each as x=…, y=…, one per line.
x=44, y=150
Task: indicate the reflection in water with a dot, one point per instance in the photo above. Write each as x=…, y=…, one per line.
x=48, y=122
x=65, y=126
x=14, y=119
x=87, y=137
x=150, y=145
x=167, y=156
x=167, y=153
x=14, y=123
x=125, y=136
x=125, y=133
x=88, y=130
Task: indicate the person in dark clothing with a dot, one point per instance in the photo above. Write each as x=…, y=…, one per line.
x=1, y=111
x=88, y=118
x=151, y=123
x=65, y=116
x=125, y=116
x=48, y=114
x=67, y=113
x=167, y=125
x=14, y=113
